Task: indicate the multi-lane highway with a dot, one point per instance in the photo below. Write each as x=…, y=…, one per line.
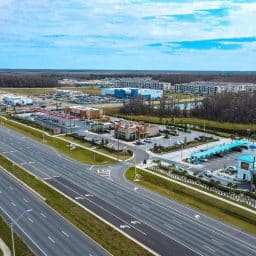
x=43, y=229
x=159, y=223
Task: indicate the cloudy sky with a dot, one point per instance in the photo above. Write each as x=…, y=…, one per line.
x=128, y=34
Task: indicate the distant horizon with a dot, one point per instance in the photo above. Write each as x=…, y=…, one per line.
x=126, y=70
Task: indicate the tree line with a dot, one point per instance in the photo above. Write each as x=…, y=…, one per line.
x=49, y=78
x=23, y=80
x=226, y=107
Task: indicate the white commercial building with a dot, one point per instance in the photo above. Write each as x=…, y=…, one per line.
x=17, y=100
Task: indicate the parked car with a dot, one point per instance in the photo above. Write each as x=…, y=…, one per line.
x=208, y=173
x=231, y=168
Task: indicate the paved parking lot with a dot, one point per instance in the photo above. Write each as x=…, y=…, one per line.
x=173, y=139
x=228, y=159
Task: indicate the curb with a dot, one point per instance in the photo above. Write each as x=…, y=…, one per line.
x=199, y=191
x=20, y=181
x=52, y=136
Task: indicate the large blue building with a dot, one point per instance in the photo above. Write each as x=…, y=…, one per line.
x=127, y=93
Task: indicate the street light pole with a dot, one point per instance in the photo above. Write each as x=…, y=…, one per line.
x=12, y=224
x=13, y=248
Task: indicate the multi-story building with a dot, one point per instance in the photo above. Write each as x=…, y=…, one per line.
x=125, y=93
x=84, y=112
x=212, y=88
x=131, y=131
x=140, y=82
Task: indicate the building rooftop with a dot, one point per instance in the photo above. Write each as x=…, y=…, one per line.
x=83, y=108
x=247, y=158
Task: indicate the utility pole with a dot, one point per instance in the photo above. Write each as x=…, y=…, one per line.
x=135, y=166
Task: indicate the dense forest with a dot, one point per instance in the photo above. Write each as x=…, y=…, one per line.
x=19, y=80
x=227, y=107
x=39, y=78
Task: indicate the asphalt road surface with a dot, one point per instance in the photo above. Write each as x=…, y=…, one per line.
x=159, y=223
x=42, y=229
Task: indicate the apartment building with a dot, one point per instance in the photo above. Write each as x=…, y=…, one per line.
x=140, y=82
x=212, y=88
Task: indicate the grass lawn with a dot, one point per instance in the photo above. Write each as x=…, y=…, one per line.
x=184, y=96
x=102, y=150
x=80, y=154
x=211, y=206
x=209, y=124
x=21, y=248
x=28, y=91
x=92, y=90
x=109, y=238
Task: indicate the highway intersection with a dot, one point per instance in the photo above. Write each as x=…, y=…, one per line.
x=162, y=225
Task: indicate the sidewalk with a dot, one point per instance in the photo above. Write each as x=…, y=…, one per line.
x=199, y=190
x=66, y=140
x=6, y=251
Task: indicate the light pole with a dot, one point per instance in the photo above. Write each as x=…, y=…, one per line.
x=12, y=224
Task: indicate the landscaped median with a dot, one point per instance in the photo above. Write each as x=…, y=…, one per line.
x=105, y=235
x=79, y=153
x=214, y=207
x=21, y=248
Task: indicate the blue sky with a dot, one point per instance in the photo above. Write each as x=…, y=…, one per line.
x=128, y=34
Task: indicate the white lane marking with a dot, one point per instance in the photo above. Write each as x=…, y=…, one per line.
x=209, y=248
x=17, y=225
x=169, y=226
x=10, y=187
x=42, y=215
x=30, y=220
x=136, y=188
x=26, y=201
x=13, y=203
x=91, y=167
x=88, y=195
x=197, y=216
x=123, y=226
x=51, y=239
x=179, y=222
x=31, y=162
x=79, y=198
x=22, y=163
x=134, y=222
x=217, y=241
x=64, y=233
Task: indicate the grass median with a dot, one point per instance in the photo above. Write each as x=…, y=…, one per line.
x=21, y=248
x=81, y=154
x=109, y=238
x=214, y=207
